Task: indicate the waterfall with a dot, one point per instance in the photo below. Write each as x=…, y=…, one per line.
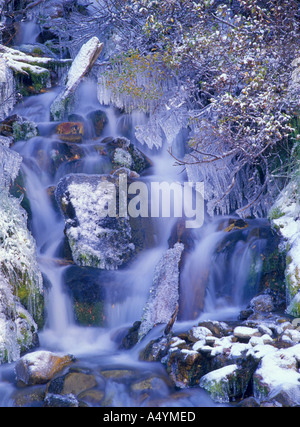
x=214, y=271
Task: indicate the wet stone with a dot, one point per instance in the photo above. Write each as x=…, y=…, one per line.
x=70, y=131
x=72, y=383
x=98, y=120
x=92, y=398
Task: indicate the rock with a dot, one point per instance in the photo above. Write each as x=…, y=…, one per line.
x=122, y=158
x=91, y=397
x=99, y=120
x=27, y=330
x=18, y=255
x=19, y=128
x=262, y=303
x=249, y=402
x=155, y=350
x=9, y=336
x=277, y=375
x=149, y=387
x=119, y=374
x=164, y=293
x=58, y=401
x=97, y=236
x=224, y=384
x=199, y=333
x=284, y=217
x=245, y=333
x=39, y=367
x=124, y=154
x=72, y=383
x=70, y=131
x=81, y=65
x=186, y=367
x=131, y=338
x=86, y=289
x=29, y=397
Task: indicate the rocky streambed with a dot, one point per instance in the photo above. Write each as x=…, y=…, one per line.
x=249, y=363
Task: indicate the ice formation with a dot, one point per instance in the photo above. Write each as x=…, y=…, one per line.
x=20, y=277
x=164, y=293
x=95, y=240
x=7, y=89
x=278, y=374
x=167, y=113
x=10, y=162
x=18, y=252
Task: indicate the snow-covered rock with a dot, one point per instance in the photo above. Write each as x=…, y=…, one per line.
x=164, y=293
x=20, y=277
x=284, y=216
x=262, y=303
x=278, y=374
x=18, y=260
x=40, y=366
x=81, y=65
x=245, y=333
x=96, y=240
x=223, y=384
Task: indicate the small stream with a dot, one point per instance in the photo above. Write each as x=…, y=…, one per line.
x=214, y=280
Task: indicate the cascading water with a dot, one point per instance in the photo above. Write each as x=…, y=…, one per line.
x=211, y=275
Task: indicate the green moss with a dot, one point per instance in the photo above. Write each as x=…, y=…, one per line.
x=29, y=297
x=33, y=82
x=24, y=130
x=276, y=213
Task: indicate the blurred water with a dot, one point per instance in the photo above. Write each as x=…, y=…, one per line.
x=211, y=286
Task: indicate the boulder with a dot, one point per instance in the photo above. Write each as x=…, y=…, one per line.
x=59, y=401
x=99, y=120
x=262, y=304
x=284, y=217
x=40, y=367
x=97, y=236
x=186, y=367
x=18, y=127
x=277, y=376
x=18, y=330
x=72, y=383
x=85, y=286
x=223, y=384
x=70, y=131
x=244, y=333
x=155, y=350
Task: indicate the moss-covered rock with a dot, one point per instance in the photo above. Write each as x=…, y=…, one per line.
x=18, y=260
x=223, y=384
x=18, y=127
x=284, y=216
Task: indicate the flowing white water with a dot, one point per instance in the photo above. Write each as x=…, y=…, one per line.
x=207, y=279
